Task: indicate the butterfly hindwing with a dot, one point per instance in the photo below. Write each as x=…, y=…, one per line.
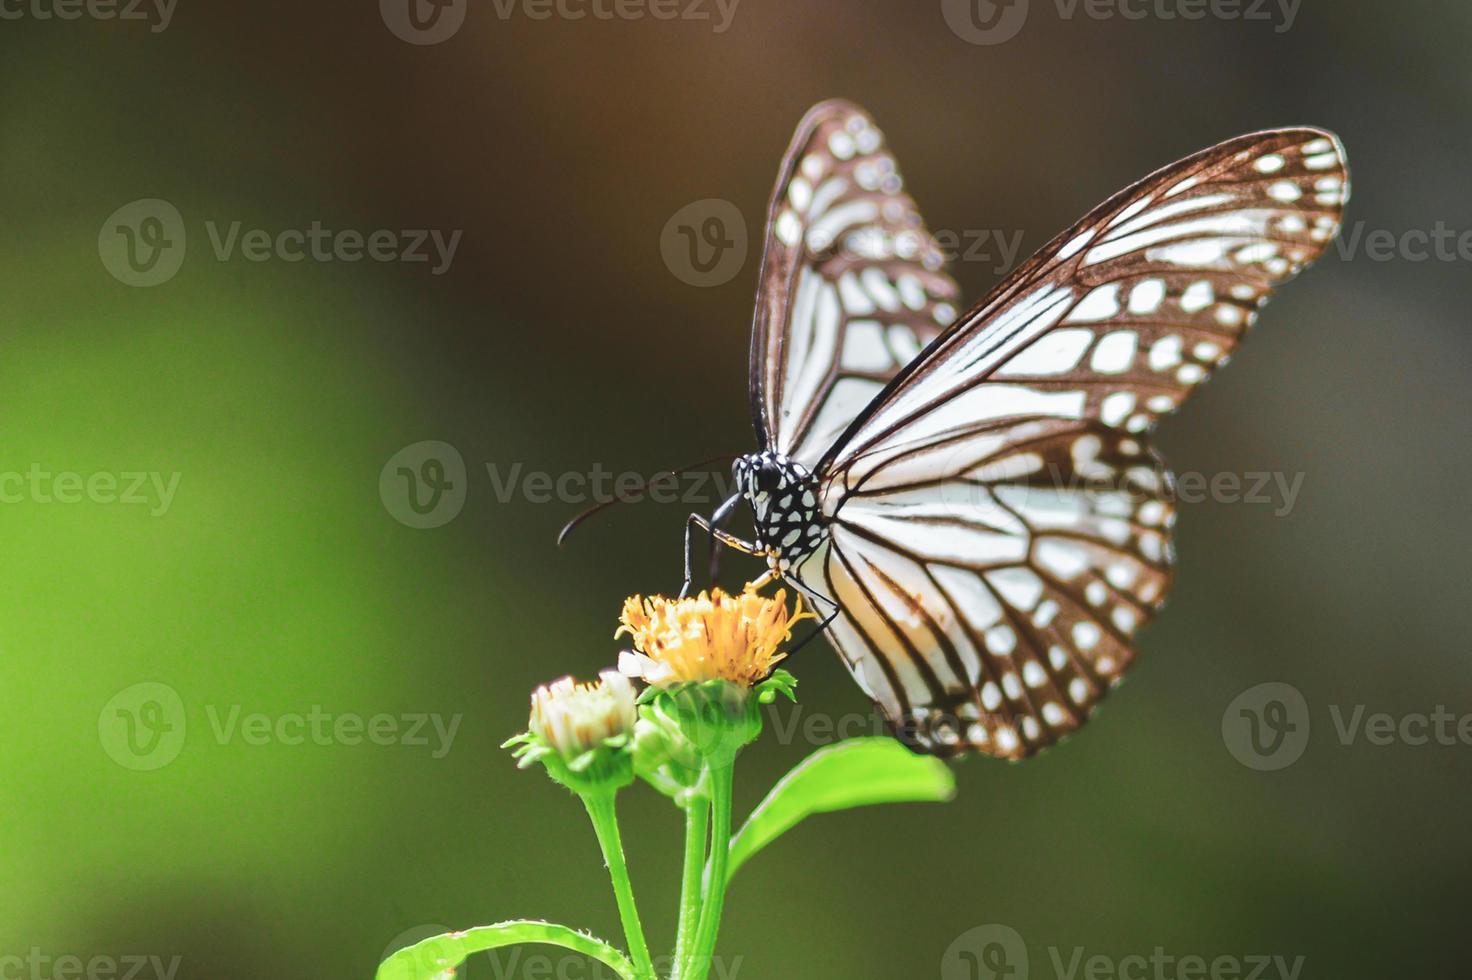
x=989, y=586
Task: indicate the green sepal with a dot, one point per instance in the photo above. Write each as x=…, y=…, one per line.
x=717, y=718
x=605, y=768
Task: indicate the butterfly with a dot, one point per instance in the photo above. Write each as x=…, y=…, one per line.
x=974, y=497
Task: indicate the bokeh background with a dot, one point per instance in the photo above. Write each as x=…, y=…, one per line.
x=278, y=579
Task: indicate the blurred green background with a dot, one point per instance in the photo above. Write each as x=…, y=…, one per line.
x=278, y=581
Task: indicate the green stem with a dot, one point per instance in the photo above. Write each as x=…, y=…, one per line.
x=697, y=823
x=715, y=875
x=605, y=825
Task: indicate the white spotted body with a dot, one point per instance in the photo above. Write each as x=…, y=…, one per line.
x=784, y=503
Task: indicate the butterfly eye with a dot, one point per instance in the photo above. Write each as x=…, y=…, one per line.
x=768, y=476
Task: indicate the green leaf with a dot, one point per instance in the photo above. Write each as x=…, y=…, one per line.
x=436, y=957
x=855, y=772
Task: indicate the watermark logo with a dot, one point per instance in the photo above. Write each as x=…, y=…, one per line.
x=990, y=952
x=704, y=243
x=142, y=727
x=423, y=22
x=984, y=21
x=1266, y=727
x=421, y=963
x=142, y=243
x=423, y=485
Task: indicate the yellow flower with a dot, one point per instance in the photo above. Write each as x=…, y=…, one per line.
x=574, y=718
x=712, y=636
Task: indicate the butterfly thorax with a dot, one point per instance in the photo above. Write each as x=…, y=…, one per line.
x=783, y=495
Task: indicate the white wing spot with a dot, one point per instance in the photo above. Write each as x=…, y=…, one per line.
x=1115, y=352
x=1065, y=559
x=1074, y=244
x=1186, y=184
x=1165, y=353
x=1147, y=296
x=788, y=228
x=1001, y=640
x=1019, y=586
x=1054, y=353
x=1116, y=407
x=1198, y=296
x=1100, y=304
x=1228, y=315
x=1284, y=190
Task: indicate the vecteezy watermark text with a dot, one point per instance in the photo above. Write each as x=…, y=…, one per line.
x=144, y=727
x=38, y=485
x=424, y=22
x=1267, y=726
x=425, y=485
x=158, y=13
x=37, y=964
x=998, y=952
x=996, y=21
x=1439, y=243
x=143, y=243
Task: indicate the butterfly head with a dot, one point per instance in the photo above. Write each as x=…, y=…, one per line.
x=784, y=502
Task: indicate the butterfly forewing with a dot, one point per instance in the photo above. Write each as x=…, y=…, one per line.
x=852, y=285
x=998, y=525
x=1122, y=316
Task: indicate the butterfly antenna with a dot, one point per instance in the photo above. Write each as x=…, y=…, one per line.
x=636, y=494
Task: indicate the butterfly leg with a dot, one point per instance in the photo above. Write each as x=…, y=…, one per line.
x=820, y=628
x=729, y=540
x=727, y=508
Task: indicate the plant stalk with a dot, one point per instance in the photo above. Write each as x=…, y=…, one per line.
x=605, y=825
x=697, y=825
x=715, y=874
